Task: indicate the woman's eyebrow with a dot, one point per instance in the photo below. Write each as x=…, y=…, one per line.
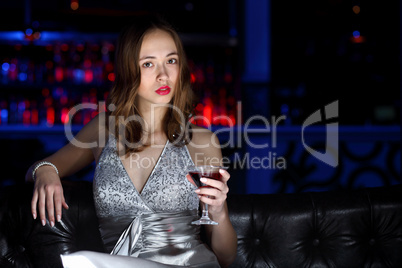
x=171, y=54
x=147, y=57
x=153, y=57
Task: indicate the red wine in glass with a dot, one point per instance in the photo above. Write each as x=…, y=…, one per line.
x=197, y=175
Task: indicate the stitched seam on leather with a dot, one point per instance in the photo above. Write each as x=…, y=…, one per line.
x=314, y=212
x=371, y=212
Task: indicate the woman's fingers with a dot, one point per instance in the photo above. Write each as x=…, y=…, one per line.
x=64, y=203
x=212, y=196
x=219, y=184
x=225, y=175
x=58, y=203
x=222, y=186
x=34, y=203
x=211, y=192
x=218, y=203
x=50, y=206
x=41, y=206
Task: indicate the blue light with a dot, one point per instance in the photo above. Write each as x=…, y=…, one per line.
x=28, y=31
x=78, y=75
x=356, y=34
x=4, y=113
x=22, y=76
x=5, y=66
x=12, y=35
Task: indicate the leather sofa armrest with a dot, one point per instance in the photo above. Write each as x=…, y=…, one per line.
x=24, y=242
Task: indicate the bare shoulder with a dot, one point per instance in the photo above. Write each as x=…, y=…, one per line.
x=204, y=146
x=203, y=136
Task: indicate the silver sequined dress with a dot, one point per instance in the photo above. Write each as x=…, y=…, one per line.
x=153, y=226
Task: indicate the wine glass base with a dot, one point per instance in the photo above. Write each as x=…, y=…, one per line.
x=204, y=221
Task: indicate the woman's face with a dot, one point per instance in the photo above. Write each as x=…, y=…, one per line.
x=159, y=67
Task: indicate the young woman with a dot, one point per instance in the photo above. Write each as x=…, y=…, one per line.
x=144, y=201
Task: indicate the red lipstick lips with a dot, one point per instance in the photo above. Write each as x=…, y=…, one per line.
x=163, y=90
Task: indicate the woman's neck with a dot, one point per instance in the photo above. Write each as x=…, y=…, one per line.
x=153, y=117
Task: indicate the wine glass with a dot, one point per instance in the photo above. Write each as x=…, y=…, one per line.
x=206, y=171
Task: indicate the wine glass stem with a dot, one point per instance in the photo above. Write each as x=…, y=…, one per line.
x=205, y=211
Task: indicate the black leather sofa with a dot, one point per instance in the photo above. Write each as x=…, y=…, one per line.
x=359, y=228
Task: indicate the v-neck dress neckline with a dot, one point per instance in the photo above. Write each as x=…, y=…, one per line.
x=140, y=193
x=166, y=188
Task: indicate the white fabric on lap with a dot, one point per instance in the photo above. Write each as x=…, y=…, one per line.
x=90, y=259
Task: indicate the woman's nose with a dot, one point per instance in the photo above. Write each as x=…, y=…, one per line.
x=162, y=75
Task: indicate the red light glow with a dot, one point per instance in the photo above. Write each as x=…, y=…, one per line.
x=34, y=117
x=80, y=47
x=26, y=117
x=50, y=116
x=87, y=118
x=74, y=4
x=111, y=77
x=64, y=115
x=64, y=47
x=357, y=40
x=58, y=73
x=207, y=112
x=89, y=76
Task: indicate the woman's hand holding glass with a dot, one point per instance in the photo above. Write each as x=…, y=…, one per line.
x=48, y=196
x=215, y=195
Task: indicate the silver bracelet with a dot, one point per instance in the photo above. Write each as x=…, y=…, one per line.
x=43, y=163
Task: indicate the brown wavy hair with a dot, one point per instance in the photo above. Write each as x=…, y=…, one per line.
x=125, y=89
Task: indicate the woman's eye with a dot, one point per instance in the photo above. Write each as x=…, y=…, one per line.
x=147, y=65
x=172, y=61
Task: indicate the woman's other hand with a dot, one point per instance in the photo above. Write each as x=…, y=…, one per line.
x=48, y=195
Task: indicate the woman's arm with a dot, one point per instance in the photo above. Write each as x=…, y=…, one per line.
x=205, y=149
x=48, y=192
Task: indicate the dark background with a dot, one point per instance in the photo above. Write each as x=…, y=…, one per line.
x=312, y=59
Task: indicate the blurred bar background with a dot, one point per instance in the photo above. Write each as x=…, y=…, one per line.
x=253, y=63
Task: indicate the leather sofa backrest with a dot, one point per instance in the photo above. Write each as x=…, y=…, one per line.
x=360, y=228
